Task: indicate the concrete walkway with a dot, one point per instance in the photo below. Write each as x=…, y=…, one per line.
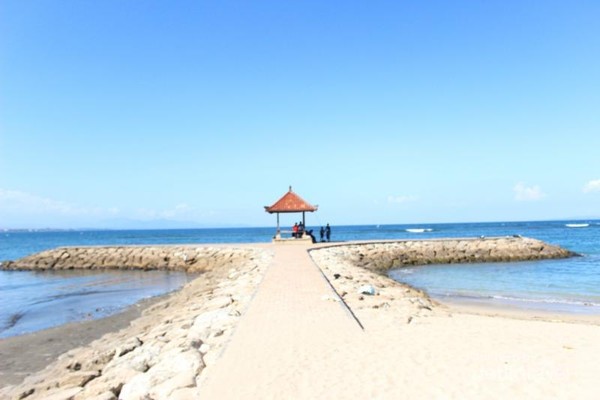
x=287, y=336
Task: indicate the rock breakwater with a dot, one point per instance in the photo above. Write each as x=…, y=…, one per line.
x=177, y=258
x=382, y=256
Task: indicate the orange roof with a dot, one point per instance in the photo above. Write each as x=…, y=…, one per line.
x=290, y=203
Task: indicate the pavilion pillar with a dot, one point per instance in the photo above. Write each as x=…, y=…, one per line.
x=278, y=223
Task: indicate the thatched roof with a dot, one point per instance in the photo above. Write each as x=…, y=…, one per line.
x=290, y=203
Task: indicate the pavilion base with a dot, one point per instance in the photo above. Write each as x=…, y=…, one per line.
x=290, y=240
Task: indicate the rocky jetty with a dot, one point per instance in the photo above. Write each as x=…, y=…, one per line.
x=375, y=256
x=177, y=258
x=163, y=354
x=382, y=256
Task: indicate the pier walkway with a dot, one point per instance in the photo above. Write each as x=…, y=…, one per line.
x=292, y=341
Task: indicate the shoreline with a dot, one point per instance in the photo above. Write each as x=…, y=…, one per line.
x=62, y=338
x=39, y=300
x=487, y=309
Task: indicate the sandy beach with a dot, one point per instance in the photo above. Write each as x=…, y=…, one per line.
x=304, y=325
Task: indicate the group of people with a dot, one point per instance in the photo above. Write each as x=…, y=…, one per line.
x=298, y=230
x=324, y=233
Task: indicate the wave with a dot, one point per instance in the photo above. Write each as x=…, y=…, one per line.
x=577, y=225
x=418, y=230
x=546, y=300
x=549, y=301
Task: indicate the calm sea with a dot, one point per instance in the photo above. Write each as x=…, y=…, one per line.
x=38, y=300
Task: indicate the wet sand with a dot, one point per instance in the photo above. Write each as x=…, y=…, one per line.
x=491, y=309
x=22, y=355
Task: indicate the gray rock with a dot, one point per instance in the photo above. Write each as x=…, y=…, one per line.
x=367, y=289
x=219, y=302
x=186, y=365
x=128, y=346
x=77, y=378
x=103, y=396
x=62, y=394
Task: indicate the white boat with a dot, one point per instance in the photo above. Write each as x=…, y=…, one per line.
x=418, y=230
x=577, y=225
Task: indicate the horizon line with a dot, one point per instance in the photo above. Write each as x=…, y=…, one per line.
x=242, y=226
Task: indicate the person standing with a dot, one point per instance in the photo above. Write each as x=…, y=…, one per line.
x=322, y=233
x=328, y=232
x=295, y=230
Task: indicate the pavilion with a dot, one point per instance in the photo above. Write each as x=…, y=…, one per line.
x=290, y=203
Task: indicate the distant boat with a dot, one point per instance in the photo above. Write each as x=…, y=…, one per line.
x=419, y=230
x=577, y=225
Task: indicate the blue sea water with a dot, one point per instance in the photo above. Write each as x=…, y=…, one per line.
x=564, y=286
x=38, y=300
x=32, y=301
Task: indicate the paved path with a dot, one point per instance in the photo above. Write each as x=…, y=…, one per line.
x=287, y=336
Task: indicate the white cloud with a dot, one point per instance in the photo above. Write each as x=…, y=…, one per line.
x=401, y=199
x=528, y=193
x=22, y=202
x=592, y=186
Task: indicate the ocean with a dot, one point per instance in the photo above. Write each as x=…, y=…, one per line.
x=38, y=300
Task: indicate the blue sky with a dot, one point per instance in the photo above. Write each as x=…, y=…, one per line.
x=199, y=113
